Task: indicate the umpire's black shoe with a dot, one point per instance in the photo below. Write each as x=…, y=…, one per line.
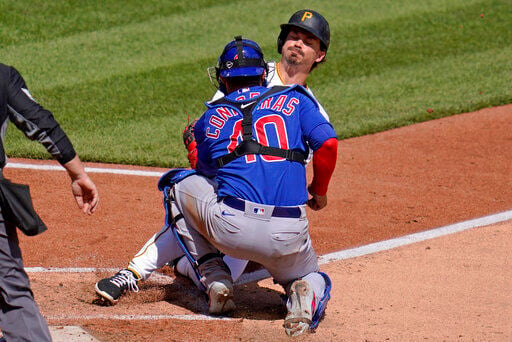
x=114, y=287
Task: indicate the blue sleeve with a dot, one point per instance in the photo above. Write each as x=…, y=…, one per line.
x=315, y=127
x=199, y=130
x=205, y=164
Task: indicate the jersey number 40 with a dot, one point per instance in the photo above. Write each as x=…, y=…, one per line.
x=270, y=129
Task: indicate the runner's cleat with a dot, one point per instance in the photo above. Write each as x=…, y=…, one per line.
x=114, y=287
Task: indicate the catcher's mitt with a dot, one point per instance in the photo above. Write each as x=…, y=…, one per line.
x=190, y=144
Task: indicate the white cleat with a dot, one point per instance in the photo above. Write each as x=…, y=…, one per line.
x=220, y=297
x=300, y=308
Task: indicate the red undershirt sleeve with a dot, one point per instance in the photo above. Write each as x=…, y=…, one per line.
x=324, y=161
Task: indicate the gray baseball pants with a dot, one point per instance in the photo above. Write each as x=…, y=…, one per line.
x=20, y=319
x=281, y=244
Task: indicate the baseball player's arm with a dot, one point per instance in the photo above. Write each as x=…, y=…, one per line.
x=188, y=136
x=324, y=162
x=205, y=163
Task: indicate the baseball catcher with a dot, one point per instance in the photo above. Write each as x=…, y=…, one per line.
x=254, y=143
x=298, y=59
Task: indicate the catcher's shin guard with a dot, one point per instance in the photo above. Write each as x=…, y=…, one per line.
x=165, y=184
x=170, y=221
x=322, y=305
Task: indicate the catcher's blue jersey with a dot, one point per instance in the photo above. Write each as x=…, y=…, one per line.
x=288, y=119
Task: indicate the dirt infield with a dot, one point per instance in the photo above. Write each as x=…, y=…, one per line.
x=385, y=185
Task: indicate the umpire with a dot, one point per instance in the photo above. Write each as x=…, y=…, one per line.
x=20, y=319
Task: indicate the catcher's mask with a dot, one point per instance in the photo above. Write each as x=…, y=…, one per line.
x=310, y=21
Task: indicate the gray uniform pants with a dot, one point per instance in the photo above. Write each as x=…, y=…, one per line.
x=282, y=245
x=20, y=319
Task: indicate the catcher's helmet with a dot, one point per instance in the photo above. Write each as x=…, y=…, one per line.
x=241, y=58
x=309, y=20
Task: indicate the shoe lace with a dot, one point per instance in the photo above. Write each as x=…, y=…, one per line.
x=125, y=278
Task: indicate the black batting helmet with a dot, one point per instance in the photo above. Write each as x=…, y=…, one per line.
x=308, y=20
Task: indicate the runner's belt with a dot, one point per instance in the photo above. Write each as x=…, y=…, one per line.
x=290, y=212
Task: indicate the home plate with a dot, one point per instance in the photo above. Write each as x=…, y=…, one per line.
x=70, y=334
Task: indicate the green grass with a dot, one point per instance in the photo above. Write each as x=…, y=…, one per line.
x=119, y=77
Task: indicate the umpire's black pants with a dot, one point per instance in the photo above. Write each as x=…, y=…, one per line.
x=20, y=319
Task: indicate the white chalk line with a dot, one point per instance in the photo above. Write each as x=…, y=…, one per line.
x=46, y=167
x=194, y=317
x=416, y=237
x=263, y=274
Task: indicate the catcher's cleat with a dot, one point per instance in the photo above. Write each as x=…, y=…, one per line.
x=300, y=309
x=220, y=297
x=114, y=287
x=294, y=312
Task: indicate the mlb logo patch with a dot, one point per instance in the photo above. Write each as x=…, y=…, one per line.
x=259, y=211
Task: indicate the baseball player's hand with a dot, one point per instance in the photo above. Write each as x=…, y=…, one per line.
x=86, y=194
x=316, y=202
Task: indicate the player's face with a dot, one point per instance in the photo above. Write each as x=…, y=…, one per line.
x=301, y=47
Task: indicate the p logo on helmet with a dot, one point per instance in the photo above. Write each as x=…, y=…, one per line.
x=310, y=21
x=306, y=15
